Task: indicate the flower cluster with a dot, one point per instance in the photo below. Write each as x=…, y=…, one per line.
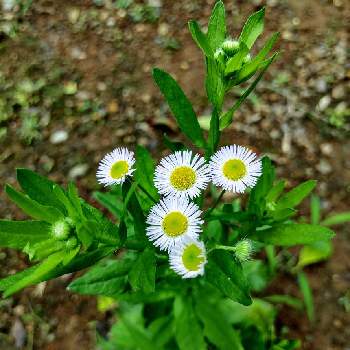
x=174, y=224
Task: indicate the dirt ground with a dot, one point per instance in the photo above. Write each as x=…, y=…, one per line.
x=95, y=59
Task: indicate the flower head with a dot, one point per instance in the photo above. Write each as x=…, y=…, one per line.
x=171, y=221
x=188, y=259
x=234, y=168
x=115, y=167
x=243, y=250
x=182, y=175
x=230, y=46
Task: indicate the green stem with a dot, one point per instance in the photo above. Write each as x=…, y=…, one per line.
x=222, y=247
x=215, y=204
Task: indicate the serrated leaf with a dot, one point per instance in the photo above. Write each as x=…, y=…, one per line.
x=275, y=191
x=217, y=26
x=188, y=332
x=293, y=234
x=33, y=208
x=43, y=249
x=107, y=278
x=253, y=27
x=17, y=234
x=143, y=273
x=111, y=202
x=296, y=195
x=180, y=106
x=226, y=274
x=145, y=171
x=200, y=38
x=216, y=328
x=75, y=200
x=39, y=188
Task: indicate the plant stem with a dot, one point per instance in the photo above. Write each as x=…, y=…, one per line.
x=215, y=204
x=222, y=247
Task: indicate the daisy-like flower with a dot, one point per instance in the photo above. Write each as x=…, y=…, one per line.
x=234, y=168
x=188, y=259
x=173, y=220
x=115, y=167
x=182, y=175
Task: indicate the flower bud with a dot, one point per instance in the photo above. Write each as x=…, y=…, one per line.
x=243, y=250
x=230, y=46
x=61, y=229
x=247, y=58
x=71, y=243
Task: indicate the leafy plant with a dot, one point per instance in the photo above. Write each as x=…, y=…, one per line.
x=180, y=267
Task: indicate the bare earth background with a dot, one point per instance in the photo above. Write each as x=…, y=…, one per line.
x=75, y=82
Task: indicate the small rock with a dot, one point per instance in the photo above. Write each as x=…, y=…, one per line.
x=324, y=102
x=326, y=149
x=185, y=66
x=18, y=333
x=113, y=107
x=321, y=85
x=78, y=171
x=338, y=92
x=59, y=137
x=324, y=167
x=163, y=29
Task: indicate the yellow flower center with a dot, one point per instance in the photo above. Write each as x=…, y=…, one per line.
x=191, y=257
x=175, y=224
x=119, y=169
x=182, y=178
x=234, y=169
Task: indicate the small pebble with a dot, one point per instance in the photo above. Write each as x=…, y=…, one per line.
x=59, y=137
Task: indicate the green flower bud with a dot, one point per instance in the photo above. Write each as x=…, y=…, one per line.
x=61, y=229
x=243, y=250
x=247, y=58
x=230, y=46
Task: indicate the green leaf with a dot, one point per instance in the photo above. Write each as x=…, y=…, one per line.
x=39, y=188
x=251, y=67
x=214, y=84
x=33, y=208
x=293, y=234
x=188, y=333
x=217, y=26
x=145, y=171
x=85, y=232
x=337, y=219
x=43, y=249
x=173, y=145
x=180, y=106
x=226, y=119
x=314, y=253
x=235, y=62
x=253, y=27
x=78, y=263
x=107, y=278
x=257, y=198
x=315, y=207
x=111, y=202
x=214, y=132
x=17, y=234
x=307, y=295
x=35, y=277
x=216, y=327
x=285, y=299
x=200, y=38
x=143, y=273
x=226, y=274
x=75, y=200
x=296, y=195
x=275, y=191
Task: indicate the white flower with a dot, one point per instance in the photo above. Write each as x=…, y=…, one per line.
x=115, y=167
x=182, y=175
x=234, y=168
x=188, y=259
x=171, y=221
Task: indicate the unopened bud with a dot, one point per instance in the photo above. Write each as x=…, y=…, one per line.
x=243, y=250
x=61, y=229
x=247, y=58
x=71, y=243
x=230, y=46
